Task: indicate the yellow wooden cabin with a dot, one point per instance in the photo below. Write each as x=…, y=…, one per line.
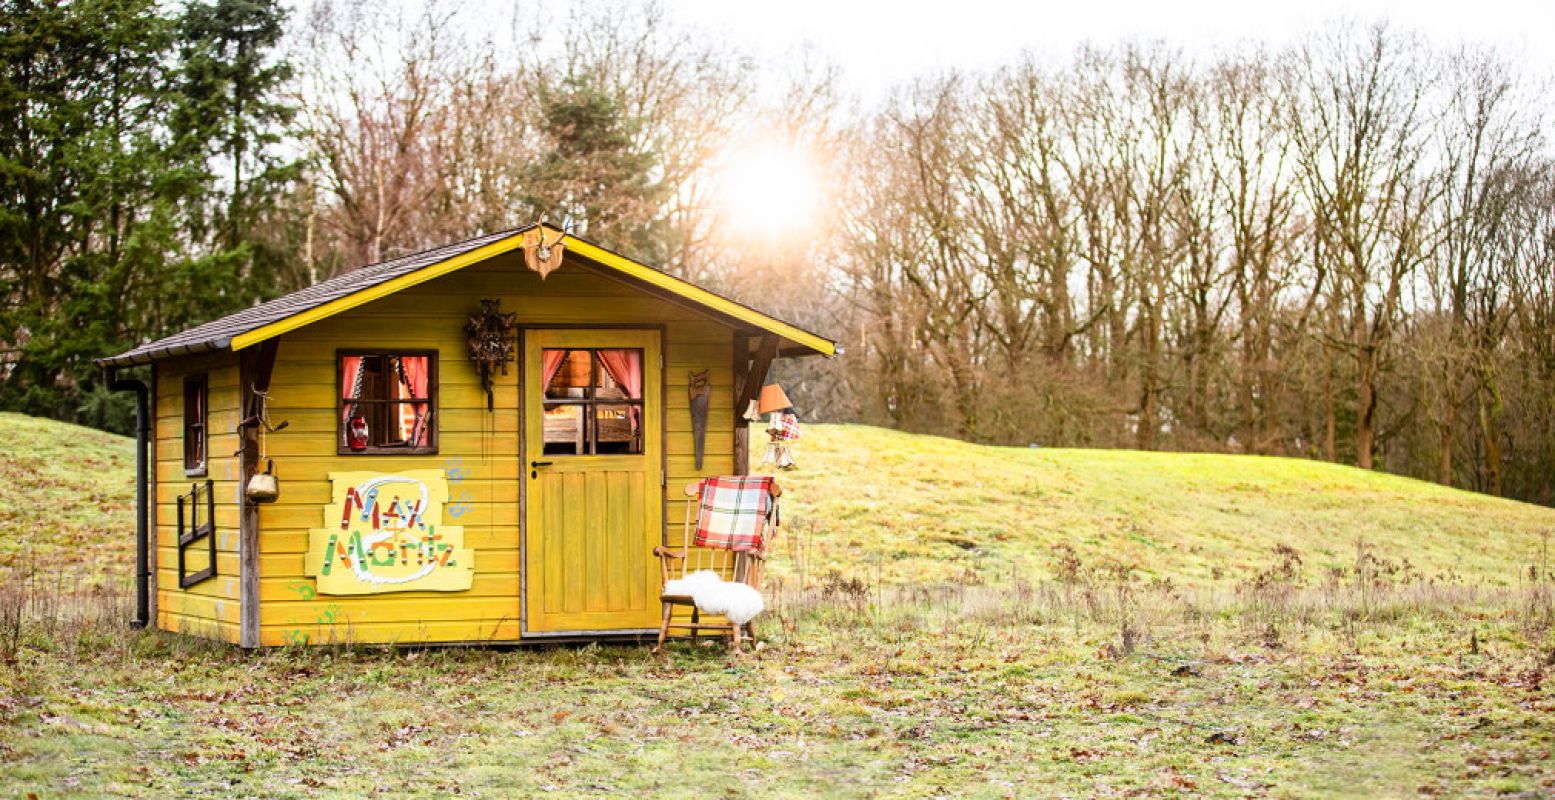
x=414, y=505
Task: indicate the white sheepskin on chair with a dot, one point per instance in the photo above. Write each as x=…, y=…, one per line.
x=714, y=595
x=688, y=586
x=737, y=601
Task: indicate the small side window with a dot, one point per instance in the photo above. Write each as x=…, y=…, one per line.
x=388, y=402
x=196, y=405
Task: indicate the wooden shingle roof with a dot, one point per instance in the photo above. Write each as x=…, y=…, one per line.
x=263, y=321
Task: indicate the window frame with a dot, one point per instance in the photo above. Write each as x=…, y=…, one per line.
x=192, y=531
x=197, y=385
x=433, y=421
x=589, y=406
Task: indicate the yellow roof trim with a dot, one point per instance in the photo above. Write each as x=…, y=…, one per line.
x=700, y=296
x=370, y=294
x=592, y=252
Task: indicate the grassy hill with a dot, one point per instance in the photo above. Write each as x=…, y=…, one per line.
x=1092, y=689
x=871, y=503
x=70, y=497
x=923, y=507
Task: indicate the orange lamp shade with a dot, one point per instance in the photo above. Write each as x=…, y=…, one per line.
x=772, y=399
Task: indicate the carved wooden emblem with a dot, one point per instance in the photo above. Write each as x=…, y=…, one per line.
x=540, y=254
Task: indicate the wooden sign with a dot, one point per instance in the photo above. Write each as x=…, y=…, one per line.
x=385, y=533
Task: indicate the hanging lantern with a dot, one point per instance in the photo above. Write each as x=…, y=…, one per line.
x=356, y=433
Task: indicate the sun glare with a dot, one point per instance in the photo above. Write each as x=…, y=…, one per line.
x=769, y=190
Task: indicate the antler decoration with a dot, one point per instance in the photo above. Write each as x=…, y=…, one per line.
x=540, y=255
x=490, y=334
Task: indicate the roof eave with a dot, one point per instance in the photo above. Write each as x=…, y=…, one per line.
x=139, y=358
x=802, y=342
x=376, y=291
x=704, y=298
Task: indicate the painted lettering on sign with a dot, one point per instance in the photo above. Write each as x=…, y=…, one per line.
x=384, y=533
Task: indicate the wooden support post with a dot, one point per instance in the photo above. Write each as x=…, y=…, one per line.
x=254, y=370
x=742, y=446
x=750, y=372
x=750, y=387
x=742, y=442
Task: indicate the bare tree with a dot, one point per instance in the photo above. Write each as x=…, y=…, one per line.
x=1247, y=158
x=1360, y=123
x=378, y=101
x=1489, y=143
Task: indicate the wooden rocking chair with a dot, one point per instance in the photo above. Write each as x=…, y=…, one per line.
x=675, y=563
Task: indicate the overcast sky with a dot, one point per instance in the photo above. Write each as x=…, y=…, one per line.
x=879, y=44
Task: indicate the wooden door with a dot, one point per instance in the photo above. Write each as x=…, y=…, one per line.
x=593, y=464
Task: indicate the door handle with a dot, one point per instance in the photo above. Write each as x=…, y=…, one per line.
x=535, y=473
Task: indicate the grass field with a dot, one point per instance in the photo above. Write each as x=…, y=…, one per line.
x=947, y=620
x=71, y=497
x=905, y=509
x=926, y=508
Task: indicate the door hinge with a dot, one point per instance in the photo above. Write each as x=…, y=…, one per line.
x=661, y=361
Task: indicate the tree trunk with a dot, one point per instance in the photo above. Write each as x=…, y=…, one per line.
x=1444, y=429
x=1366, y=410
x=1330, y=415
x=1145, y=435
x=1489, y=428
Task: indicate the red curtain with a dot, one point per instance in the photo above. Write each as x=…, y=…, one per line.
x=626, y=367
x=350, y=368
x=416, y=375
x=413, y=416
x=552, y=361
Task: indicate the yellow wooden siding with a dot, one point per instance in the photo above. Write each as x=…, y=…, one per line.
x=210, y=608
x=484, y=445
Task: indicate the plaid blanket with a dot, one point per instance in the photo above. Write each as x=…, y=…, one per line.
x=785, y=428
x=733, y=513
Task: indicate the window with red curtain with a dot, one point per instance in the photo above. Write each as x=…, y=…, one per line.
x=388, y=401
x=593, y=401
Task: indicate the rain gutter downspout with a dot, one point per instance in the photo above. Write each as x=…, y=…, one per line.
x=142, y=439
